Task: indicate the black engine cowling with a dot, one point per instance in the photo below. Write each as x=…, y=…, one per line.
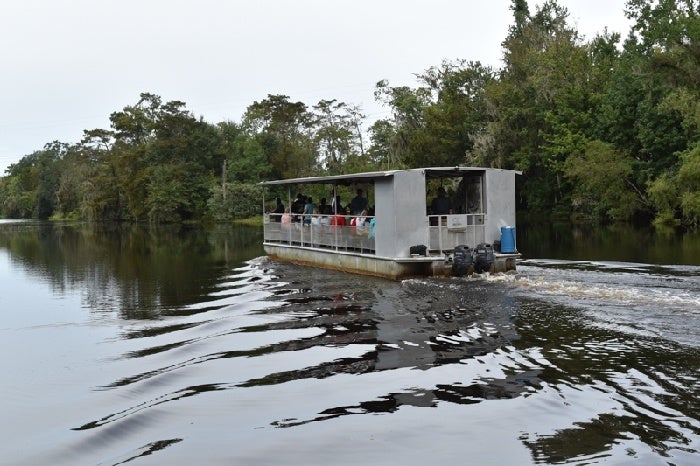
x=483, y=257
x=462, y=260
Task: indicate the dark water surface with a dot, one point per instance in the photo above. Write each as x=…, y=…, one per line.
x=186, y=346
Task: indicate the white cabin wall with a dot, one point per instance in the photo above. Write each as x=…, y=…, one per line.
x=401, y=221
x=385, y=224
x=500, y=202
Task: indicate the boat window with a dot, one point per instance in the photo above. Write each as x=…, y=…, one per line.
x=473, y=199
x=465, y=194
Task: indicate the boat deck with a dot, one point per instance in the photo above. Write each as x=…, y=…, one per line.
x=352, y=249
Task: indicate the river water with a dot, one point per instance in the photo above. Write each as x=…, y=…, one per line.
x=185, y=346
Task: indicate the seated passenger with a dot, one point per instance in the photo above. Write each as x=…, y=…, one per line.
x=286, y=218
x=279, y=210
x=371, y=222
x=360, y=223
x=308, y=210
x=323, y=208
x=316, y=218
x=339, y=219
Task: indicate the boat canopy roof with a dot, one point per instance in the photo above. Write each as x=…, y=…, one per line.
x=355, y=178
x=337, y=179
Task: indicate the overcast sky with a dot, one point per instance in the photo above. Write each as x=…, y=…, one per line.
x=68, y=64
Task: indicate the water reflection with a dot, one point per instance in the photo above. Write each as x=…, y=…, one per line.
x=543, y=238
x=141, y=272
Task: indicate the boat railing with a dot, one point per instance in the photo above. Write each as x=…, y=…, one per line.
x=445, y=232
x=320, y=231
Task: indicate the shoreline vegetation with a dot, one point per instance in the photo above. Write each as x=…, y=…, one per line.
x=256, y=221
x=253, y=221
x=604, y=129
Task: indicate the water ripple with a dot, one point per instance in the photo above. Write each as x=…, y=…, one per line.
x=282, y=348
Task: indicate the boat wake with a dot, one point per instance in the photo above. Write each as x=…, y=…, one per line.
x=642, y=299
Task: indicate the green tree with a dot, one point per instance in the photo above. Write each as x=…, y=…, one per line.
x=333, y=135
x=456, y=115
x=163, y=160
x=381, y=133
x=176, y=192
x=33, y=183
x=665, y=54
x=601, y=177
x=663, y=193
x=21, y=187
x=283, y=130
x=69, y=193
x=689, y=184
x=17, y=202
x=408, y=109
x=246, y=161
x=49, y=172
x=242, y=200
x=101, y=194
x=540, y=106
x=667, y=35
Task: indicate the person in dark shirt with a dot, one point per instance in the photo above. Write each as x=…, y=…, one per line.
x=440, y=205
x=358, y=203
x=279, y=210
x=298, y=207
x=323, y=208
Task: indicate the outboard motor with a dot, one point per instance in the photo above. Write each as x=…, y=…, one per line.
x=461, y=261
x=483, y=257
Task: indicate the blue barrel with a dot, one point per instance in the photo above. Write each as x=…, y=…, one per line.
x=508, y=240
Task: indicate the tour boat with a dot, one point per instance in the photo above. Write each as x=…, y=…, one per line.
x=404, y=231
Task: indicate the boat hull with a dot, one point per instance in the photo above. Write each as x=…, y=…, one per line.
x=369, y=264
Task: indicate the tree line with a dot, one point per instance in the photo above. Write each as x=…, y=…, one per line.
x=605, y=128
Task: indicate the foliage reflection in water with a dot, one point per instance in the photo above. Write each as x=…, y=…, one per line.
x=264, y=363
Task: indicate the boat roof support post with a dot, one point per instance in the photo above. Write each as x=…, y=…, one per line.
x=263, y=199
x=333, y=201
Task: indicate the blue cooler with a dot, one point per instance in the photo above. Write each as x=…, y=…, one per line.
x=508, y=240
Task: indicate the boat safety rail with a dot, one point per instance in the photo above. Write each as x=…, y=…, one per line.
x=445, y=232
x=337, y=232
